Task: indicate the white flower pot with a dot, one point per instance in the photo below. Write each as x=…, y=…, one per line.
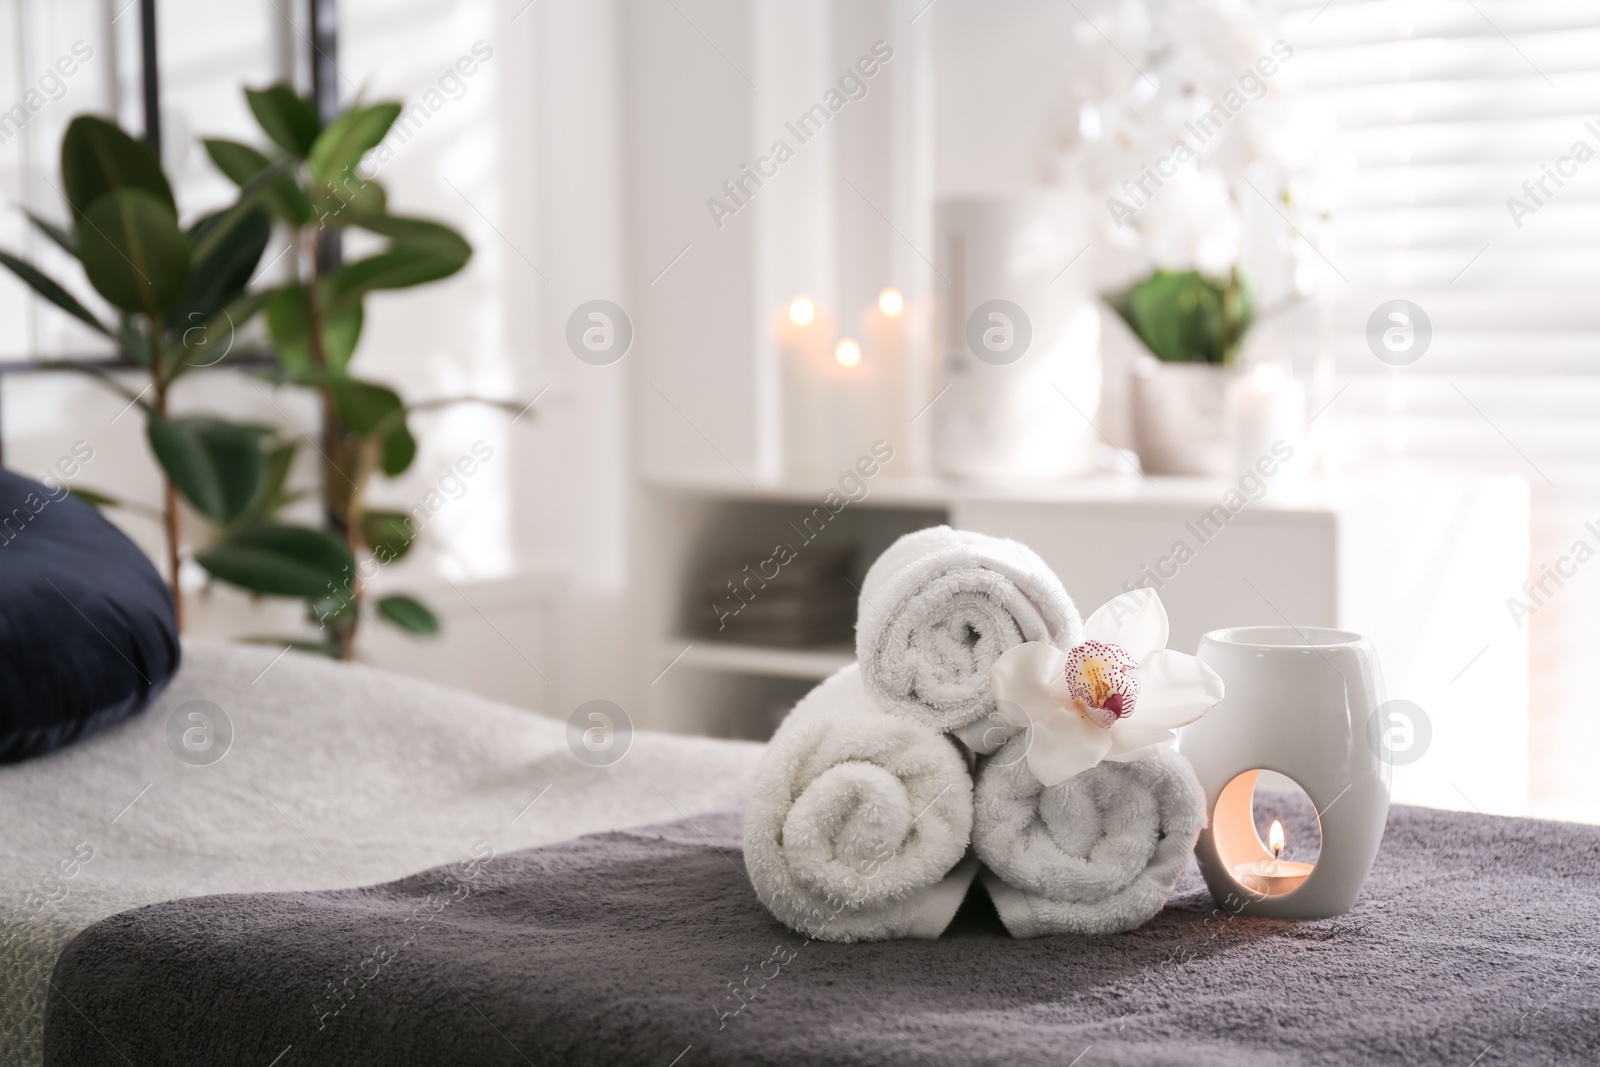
x=1184, y=417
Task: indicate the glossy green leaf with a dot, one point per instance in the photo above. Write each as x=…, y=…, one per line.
x=390, y=534
x=239, y=162
x=217, y=466
x=212, y=341
x=349, y=137
x=271, y=495
x=420, y=234
x=133, y=252
x=52, y=291
x=364, y=406
x=371, y=410
x=242, y=164
x=339, y=202
x=255, y=194
x=1186, y=317
x=289, y=119
x=287, y=324
x=288, y=318
x=98, y=158
x=409, y=614
x=401, y=267
x=341, y=332
x=399, y=451
x=65, y=239
x=94, y=499
x=220, y=277
x=281, y=560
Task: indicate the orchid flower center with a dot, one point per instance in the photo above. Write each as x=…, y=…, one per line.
x=1103, y=678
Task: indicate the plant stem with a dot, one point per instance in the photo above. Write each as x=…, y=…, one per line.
x=174, y=563
x=343, y=509
x=169, y=495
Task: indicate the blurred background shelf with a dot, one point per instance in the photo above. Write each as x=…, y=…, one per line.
x=1413, y=558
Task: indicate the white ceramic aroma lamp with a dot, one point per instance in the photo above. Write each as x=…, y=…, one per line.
x=1299, y=701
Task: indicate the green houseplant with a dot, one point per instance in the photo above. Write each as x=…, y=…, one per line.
x=307, y=175
x=1193, y=327
x=1188, y=317
x=172, y=292
x=180, y=295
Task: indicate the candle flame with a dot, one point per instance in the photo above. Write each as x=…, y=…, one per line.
x=1275, y=838
x=848, y=353
x=890, y=302
x=1266, y=376
x=802, y=311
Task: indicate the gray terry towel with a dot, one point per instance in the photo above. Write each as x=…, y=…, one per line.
x=648, y=947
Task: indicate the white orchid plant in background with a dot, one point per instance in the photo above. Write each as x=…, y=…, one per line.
x=1145, y=74
x=1120, y=695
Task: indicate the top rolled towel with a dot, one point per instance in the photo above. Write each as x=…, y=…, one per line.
x=939, y=607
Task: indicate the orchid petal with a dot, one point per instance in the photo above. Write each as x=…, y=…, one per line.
x=1175, y=690
x=1029, y=681
x=1134, y=620
x=1130, y=742
x=1030, y=688
x=1065, y=744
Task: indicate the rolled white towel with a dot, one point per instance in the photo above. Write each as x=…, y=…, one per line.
x=939, y=607
x=1096, y=854
x=859, y=825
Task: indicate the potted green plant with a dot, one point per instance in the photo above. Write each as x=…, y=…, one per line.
x=172, y=291
x=307, y=174
x=179, y=295
x=1193, y=327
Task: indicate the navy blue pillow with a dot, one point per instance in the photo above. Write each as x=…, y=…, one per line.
x=88, y=634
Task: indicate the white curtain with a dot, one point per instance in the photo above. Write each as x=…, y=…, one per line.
x=1474, y=130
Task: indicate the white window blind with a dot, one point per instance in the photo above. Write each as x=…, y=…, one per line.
x=1446, y=110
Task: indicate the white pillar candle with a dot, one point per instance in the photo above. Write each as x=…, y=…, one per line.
x=805, y=334
x=1269, y=408
x=885, y=327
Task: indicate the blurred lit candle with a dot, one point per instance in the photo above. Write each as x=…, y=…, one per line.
x=802, y=312
x=1270, y=407
x=805, y=337
x=886, y=330
x=1276, y=876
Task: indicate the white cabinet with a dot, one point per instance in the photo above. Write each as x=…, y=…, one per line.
x=1422, y=561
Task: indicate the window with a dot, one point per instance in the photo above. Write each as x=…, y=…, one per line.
x=1474, y=130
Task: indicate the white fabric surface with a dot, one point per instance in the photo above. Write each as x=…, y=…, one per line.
x=337, y=775
x=939, y=607
x=859, y=821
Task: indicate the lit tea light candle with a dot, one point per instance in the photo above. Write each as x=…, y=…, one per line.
x=891, y=302
x=802, y=311
x=1276, y=876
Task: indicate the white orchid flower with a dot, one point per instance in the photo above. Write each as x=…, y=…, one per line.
x=1118, y=696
